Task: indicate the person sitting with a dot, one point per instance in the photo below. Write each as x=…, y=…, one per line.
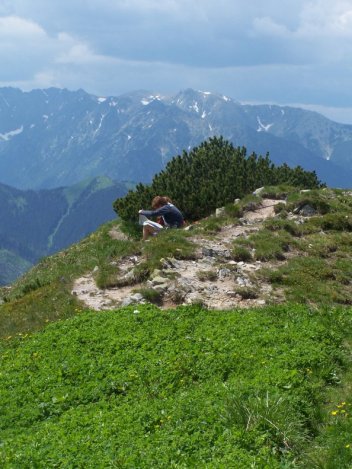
x=163, y=207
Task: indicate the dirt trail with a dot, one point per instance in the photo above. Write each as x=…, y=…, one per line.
x=213, y=279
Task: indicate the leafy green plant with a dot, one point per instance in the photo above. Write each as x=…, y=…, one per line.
x=141, y=387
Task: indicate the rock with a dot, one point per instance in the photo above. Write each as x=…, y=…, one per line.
x=258, y=191
x=237, y=201
x=219, y=211
x=96, y=268
x=129, y=276
x=161, y=288
x=243, y=282
x=304, y=191
x=189, y=228
x=133, y=299
x=193, y=297
x=155, y=273
x=223, y=273
x=209, y=252
x=307, y=211
x=158, y=280
x=231, y=293
x=261, y=302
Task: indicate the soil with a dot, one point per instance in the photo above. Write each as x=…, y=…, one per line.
x=213, y=279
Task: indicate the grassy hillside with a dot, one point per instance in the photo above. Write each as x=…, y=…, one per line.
x=37, y=223
x=12, y=266
x=187, y=387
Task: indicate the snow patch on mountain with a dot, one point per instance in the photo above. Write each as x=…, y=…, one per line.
x=194, y=106
x=262, y=127
x=149, y=99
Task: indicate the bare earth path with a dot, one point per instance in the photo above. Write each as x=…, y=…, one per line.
x=213, y=256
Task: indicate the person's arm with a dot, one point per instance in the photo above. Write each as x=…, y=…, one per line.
x=155, y=213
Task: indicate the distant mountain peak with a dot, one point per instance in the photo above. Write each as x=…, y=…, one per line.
x=56, y=137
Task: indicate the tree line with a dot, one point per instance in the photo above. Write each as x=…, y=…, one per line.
x=211, y=175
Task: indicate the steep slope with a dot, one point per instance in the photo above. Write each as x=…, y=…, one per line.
x=140, y=386
x=53, y=137
x=37, y=223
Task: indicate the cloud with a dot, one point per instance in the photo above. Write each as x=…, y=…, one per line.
x=297, y=52
x=13, y=27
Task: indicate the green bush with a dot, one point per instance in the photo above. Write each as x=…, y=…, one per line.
x=211, y=175
x=240, y=253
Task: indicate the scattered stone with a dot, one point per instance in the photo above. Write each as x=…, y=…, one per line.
x=193, y=297
x=189, y=228
x=219, y=211
x=307, y=211
x=209, y=252
x=158, y=280
x=96, y=268
x=155, y=273
x=243, y=282
x=223, y=273
x=258, y=191
x=161, y=288
x=133, y=299
x=237, y=201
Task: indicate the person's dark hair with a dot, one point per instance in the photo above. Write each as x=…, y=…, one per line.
x=160, y=201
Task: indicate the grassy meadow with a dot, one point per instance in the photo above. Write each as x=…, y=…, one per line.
x=141, y=387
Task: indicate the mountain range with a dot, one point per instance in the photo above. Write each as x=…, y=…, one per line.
x=39, y=223
x=56, y=137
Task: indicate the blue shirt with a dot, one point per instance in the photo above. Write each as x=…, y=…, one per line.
x=172, y=216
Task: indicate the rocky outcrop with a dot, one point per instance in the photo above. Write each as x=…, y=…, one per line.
x=213, y=278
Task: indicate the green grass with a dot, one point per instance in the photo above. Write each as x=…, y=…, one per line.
x=44, y=293
x=267, y=245
x=168, y=243
x=140, y=387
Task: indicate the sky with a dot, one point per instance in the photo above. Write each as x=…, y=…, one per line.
x=288, y=52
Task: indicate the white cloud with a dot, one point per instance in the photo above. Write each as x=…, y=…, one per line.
x=13, y=27
x=287, y=51
x=266, y=26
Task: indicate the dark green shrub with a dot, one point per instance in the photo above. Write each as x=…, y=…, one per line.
x=210, y=176
x=240, y=253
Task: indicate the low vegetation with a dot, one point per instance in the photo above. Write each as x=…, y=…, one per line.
x=143, y=387
x=140, y=387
